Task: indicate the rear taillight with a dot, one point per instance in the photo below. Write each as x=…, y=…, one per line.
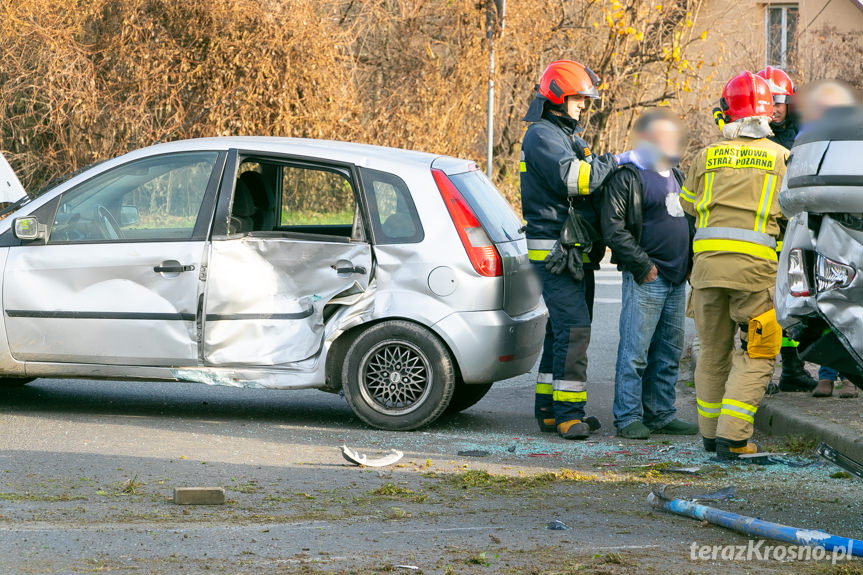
x=798, y=281
x=480, y=249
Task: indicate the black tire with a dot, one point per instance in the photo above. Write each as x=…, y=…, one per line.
x=13, y=382
x=467, y=395
x=387, y=394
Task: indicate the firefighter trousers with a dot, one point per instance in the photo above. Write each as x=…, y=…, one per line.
x=561, y=389
x=729, y=385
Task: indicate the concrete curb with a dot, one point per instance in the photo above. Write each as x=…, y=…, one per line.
x=776, y=418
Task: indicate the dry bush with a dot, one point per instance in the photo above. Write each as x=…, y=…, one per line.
x=85, y=80
x=834, y=55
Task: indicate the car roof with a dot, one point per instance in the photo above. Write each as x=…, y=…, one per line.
x=365, y=155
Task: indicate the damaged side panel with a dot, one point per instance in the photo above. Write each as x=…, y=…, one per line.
x=268, y=299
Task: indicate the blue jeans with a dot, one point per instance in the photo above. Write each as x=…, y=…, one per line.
x=825, y=372
x=648, y=356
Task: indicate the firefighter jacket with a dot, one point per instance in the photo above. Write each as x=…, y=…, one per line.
x=732, y=190
x=557, y=166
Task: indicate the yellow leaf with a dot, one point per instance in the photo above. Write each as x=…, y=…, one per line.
x=704, y=35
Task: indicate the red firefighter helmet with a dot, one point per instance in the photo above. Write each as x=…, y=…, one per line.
x=780, y=84
x=567, y=78
x=747, y=95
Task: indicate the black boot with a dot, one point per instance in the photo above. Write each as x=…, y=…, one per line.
x=794, y=375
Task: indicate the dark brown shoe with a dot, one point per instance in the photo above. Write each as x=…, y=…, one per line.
x=848, y=390
x=823, y=389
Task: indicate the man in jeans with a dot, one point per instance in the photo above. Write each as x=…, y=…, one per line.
x=650, y=238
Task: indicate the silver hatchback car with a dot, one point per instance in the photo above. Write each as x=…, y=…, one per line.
x=397, y=277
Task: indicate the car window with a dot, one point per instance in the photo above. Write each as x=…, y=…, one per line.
x=316, y=197
x=393, y=214
x=154, y=199
x=494, y=212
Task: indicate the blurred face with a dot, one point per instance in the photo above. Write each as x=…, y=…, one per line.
x=575, y=105
x=780, y=112
x=665, y=136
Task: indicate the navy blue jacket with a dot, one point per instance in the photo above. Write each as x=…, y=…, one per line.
x=556, y=165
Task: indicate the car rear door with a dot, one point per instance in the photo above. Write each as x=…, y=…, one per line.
x=116, y=281
x=292, y=248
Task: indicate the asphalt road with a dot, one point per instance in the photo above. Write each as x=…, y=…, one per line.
x=87, y=469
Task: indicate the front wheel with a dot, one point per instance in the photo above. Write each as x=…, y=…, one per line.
x=13, y=382
x=398, y=376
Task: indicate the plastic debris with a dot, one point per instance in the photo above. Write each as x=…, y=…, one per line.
x=410, y=567
x=838, y=458
x=358, y=458
x=557, y=525
x=756, y=527
x=474, y=453
x=684, y=470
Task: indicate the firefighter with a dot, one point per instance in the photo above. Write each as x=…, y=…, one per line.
x=783, y=124
x=731, y=190
x=559, y=172
x=794, y=376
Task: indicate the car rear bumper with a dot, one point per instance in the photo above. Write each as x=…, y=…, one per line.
x=491, y=345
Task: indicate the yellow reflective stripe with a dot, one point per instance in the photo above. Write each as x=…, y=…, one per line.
x=570, y=396
x=764, y=204
x=540, y=255
x=779, y=246
x=522, y=166
x=745, y=406
x=537, y=255
x=734, y=246
x=543, y=389
x=703, y=207
x=738, y=409
x=708, y=405
x=738, y=415
x=708, y=414
x=583, y=178
x=687, y=195
x=708, y=410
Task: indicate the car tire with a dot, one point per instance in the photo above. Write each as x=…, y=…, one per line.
x=398, y=376
x=13, y=382
x=467, y=395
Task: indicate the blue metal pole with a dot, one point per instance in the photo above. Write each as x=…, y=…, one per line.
x=758, y=527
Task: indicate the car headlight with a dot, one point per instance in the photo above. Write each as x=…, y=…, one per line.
x=798, y=281
x=830, y=275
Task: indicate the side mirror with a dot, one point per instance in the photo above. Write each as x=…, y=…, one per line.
x=128, y=216
x=29, y=229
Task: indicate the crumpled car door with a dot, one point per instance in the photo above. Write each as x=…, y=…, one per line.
x=267, y=297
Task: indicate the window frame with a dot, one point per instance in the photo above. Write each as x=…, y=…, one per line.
x=203, y=222
x=381, y=238
x=227, y=189
x=783, y=40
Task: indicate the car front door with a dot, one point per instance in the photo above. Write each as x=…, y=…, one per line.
x=116, y=280
x=293, y=250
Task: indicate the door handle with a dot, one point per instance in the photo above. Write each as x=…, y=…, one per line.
x=349, y=270
x=172, y=268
